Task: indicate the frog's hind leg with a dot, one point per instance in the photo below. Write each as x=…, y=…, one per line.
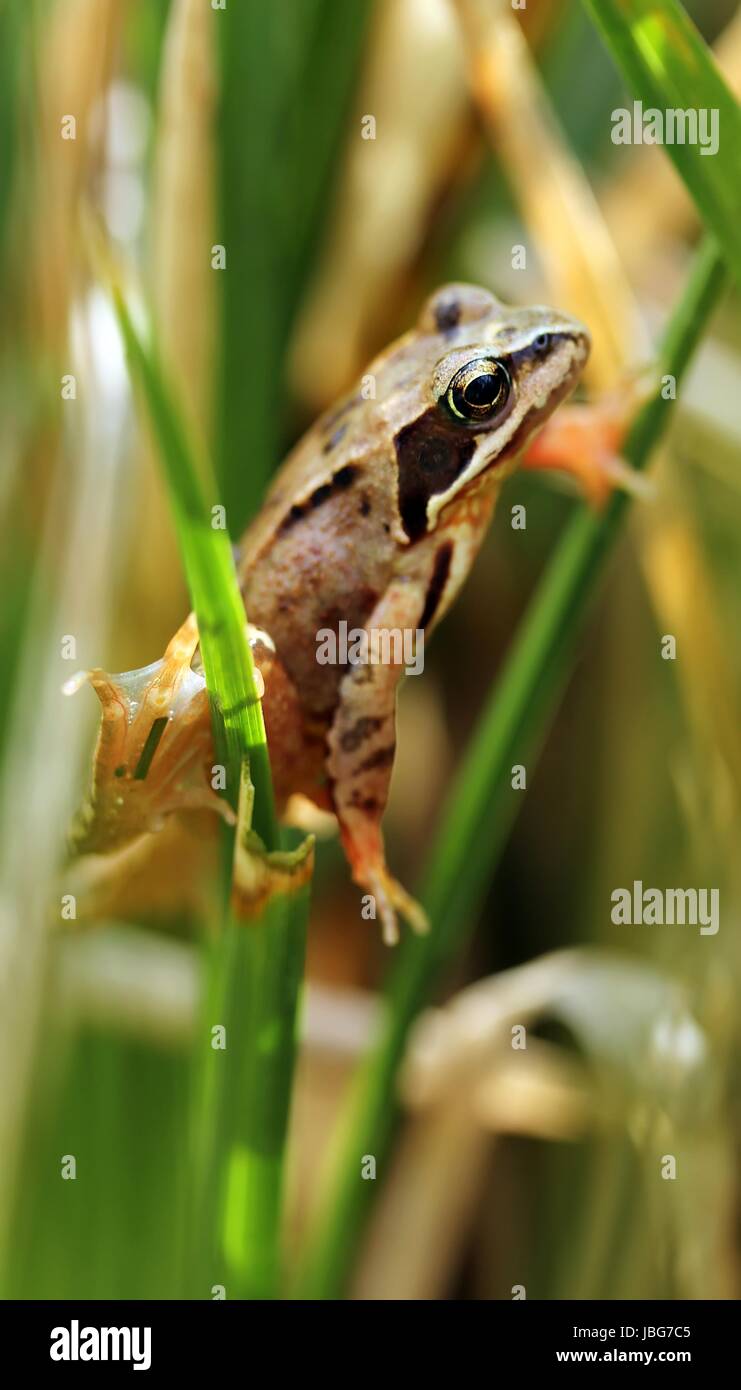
x=362, y=743
x=152, y=772
x=297, y=744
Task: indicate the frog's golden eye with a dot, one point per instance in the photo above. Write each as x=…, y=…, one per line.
x=478, y=391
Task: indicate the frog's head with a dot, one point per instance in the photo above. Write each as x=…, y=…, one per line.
x=494, y=375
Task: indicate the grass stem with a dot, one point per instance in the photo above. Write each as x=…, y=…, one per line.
x=245, y=1047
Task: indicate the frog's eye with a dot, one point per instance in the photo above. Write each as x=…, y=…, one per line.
x=478, y=391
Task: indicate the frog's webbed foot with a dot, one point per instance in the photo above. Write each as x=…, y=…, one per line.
x=154, y=749
x=585, y=441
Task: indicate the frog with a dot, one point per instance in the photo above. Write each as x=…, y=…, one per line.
x=373, y=521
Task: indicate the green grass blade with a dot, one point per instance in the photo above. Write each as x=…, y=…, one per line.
x=242, y=1104
x=255, y=982
x=667, y=64
x=483, y=805
x=253, y=971
x=209, y=566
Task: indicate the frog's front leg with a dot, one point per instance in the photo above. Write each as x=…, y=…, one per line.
x=362, y=743
x=585, y=439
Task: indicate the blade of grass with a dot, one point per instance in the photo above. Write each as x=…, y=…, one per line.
x=665, y=61
x=212, y=580
x=253, y=972
x=253, y=988
x=482, y=807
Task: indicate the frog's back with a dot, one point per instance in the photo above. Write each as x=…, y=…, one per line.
x=321, y=551
x=331, y=533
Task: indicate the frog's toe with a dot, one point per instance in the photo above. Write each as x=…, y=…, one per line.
x=392, y=901
x=410, y=909
x=385, y=910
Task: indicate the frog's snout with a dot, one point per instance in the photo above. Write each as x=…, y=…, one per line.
x=581, y=338
x=584, y=341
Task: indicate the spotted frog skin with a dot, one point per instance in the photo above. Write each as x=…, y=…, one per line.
x=374, y=519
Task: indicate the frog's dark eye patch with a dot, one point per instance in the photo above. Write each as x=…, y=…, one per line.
x=431, y=453
x=478, y=391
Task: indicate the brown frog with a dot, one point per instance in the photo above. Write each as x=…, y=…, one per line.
x=370, y=527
